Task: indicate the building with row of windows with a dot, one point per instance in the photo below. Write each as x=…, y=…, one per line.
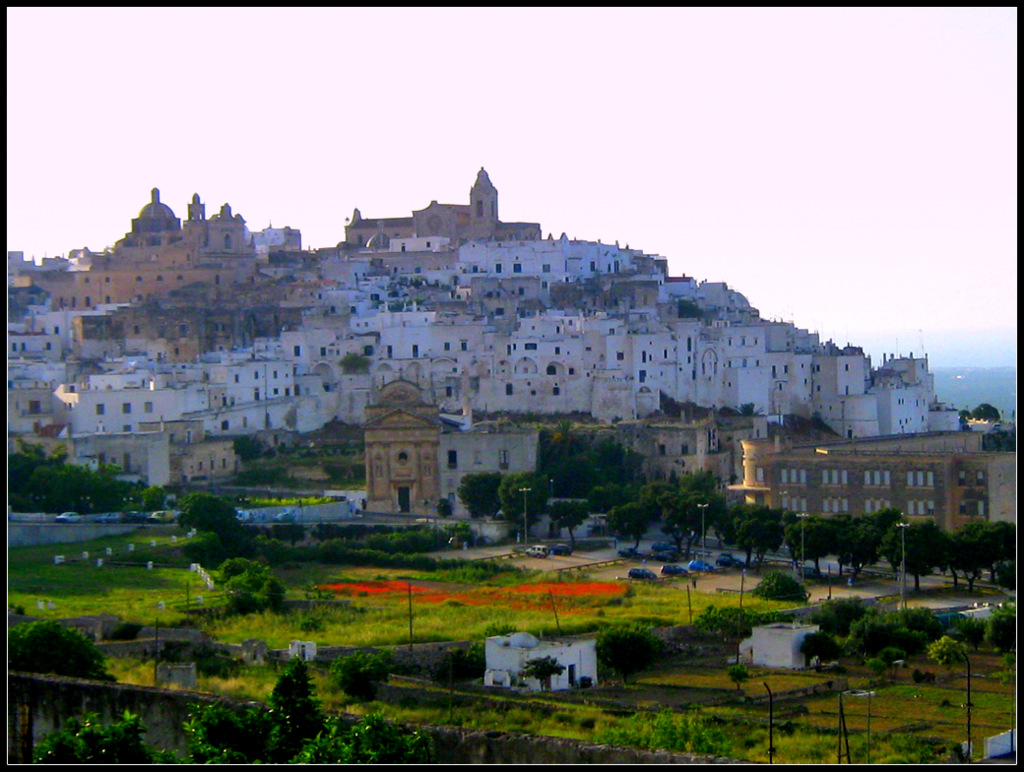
x=945, y=476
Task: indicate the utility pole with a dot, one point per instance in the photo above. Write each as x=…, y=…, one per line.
x=703, y=530
x=524, y=491
x=903, y=563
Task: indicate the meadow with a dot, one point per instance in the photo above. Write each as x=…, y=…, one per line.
x=910, y=723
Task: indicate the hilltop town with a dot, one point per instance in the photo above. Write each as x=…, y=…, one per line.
x=157, y=353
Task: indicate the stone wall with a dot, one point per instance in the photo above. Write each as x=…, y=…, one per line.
x=39, y=704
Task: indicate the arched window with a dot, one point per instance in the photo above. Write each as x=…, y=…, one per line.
x=227, y=241
x=551, y=370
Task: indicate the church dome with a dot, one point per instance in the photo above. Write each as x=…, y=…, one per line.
x=155, y=210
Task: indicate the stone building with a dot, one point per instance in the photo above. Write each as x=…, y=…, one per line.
x=458, y=223
x=944, y=476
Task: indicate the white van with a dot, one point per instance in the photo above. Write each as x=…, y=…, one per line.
x=537, y=551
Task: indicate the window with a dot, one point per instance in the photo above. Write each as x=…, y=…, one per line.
x=551, y=370
x=453, y=459
x=503, y=459
x=508, y=389
x=517, y=268
x=101, y=409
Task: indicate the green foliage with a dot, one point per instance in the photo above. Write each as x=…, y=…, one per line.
x=247, y=448
x=738, y=674
x=219, y=735
x=479, y=493
x=357, y=673
x=214, y=514
x=250, y=586
x=836, y=616
x=374, y=740
x=510, y=493
x=820, y=646
x=780, y=585
x=910, y=631
x=685, y=732
x=569, y=515
x=295, y=714
x=756, y=529
x=49, y=647
x=628, y=649
x=947, y=652
x=985, y=412
x=461, y=664
x=37, y=483
x=353, y=363
x=631, y=520
x=971, y=631
x=543, y=669
x=87, y=741
x=1001, y=628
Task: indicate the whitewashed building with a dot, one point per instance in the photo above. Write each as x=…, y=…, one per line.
x=507, y=655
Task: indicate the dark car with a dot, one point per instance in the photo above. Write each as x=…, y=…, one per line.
x=666, y=556
x=561, y=549
x=643, y=574
x=728, y=561
x=810, y=572
x=700, y=565
x=134, y=517
x=663, y=546
x=109, y=517
x=672, y=569
x=629, y=552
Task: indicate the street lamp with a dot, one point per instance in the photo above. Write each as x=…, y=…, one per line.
x=869, y=695
x=802, y=516
x=703, y=530
x=524, y=491
x=903, y=562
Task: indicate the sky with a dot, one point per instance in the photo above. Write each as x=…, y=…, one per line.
x=853, y=171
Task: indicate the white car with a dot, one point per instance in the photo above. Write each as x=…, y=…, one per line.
x=537, y=551
x=68, y=517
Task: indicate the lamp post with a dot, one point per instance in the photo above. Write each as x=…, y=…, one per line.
x=970, y=748
x=524, y=491
x=703, y=530
x=802, y=516
x=903, y=563
x=868, y=695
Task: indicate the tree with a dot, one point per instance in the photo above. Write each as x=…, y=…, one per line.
x=780, y=585
x=1001, y=628
x=218, y=734
x=49, y=647
x=738, y=674
x=970, y=631
x=543, y=669
x=811, y=538
x=512, y=498
x=836, y=616
x=353, y=363
x=214, y=514
x=87, y=741
x=757, y=530
x=926, y=548
x=627, y=649
x=821, y=647
x=250, y=586
x=479, y=493
x=295, y=714
x=947, y=652
x=569, y=515
x=985, y=412
x=603, y=498
x=630, y=521
x=357, y=673
x=374, y=740
x=974, y=547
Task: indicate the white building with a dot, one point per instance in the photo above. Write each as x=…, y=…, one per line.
x=507, y=655
x=777, y=645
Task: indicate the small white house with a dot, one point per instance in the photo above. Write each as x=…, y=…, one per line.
x=777, y=645
x=507, y=655
x=304, y=650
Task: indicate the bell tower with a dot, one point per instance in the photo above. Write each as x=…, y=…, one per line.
x=483, y=201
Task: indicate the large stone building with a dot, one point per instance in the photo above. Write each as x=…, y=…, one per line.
x=943, y=476
x=415, y=457
x=457, y=223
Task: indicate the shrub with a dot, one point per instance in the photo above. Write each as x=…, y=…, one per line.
x=49, y=647
x=125, y=631
x=780, y=585
x=355, y=674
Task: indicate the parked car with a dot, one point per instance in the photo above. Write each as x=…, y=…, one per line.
x=643, y=574
x=700, y=565
x=134, y=517
x=663, y=546
x=810, y=572
x=561, y=549
x=68, y=517
x=629, y=552
x=288, y=516
x=161, y=517
x=726, y=560
x=666, y=556
x=108, y=517
x=537, y=551
x=673, y=569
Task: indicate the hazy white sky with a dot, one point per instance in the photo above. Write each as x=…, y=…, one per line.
x=853, y=171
